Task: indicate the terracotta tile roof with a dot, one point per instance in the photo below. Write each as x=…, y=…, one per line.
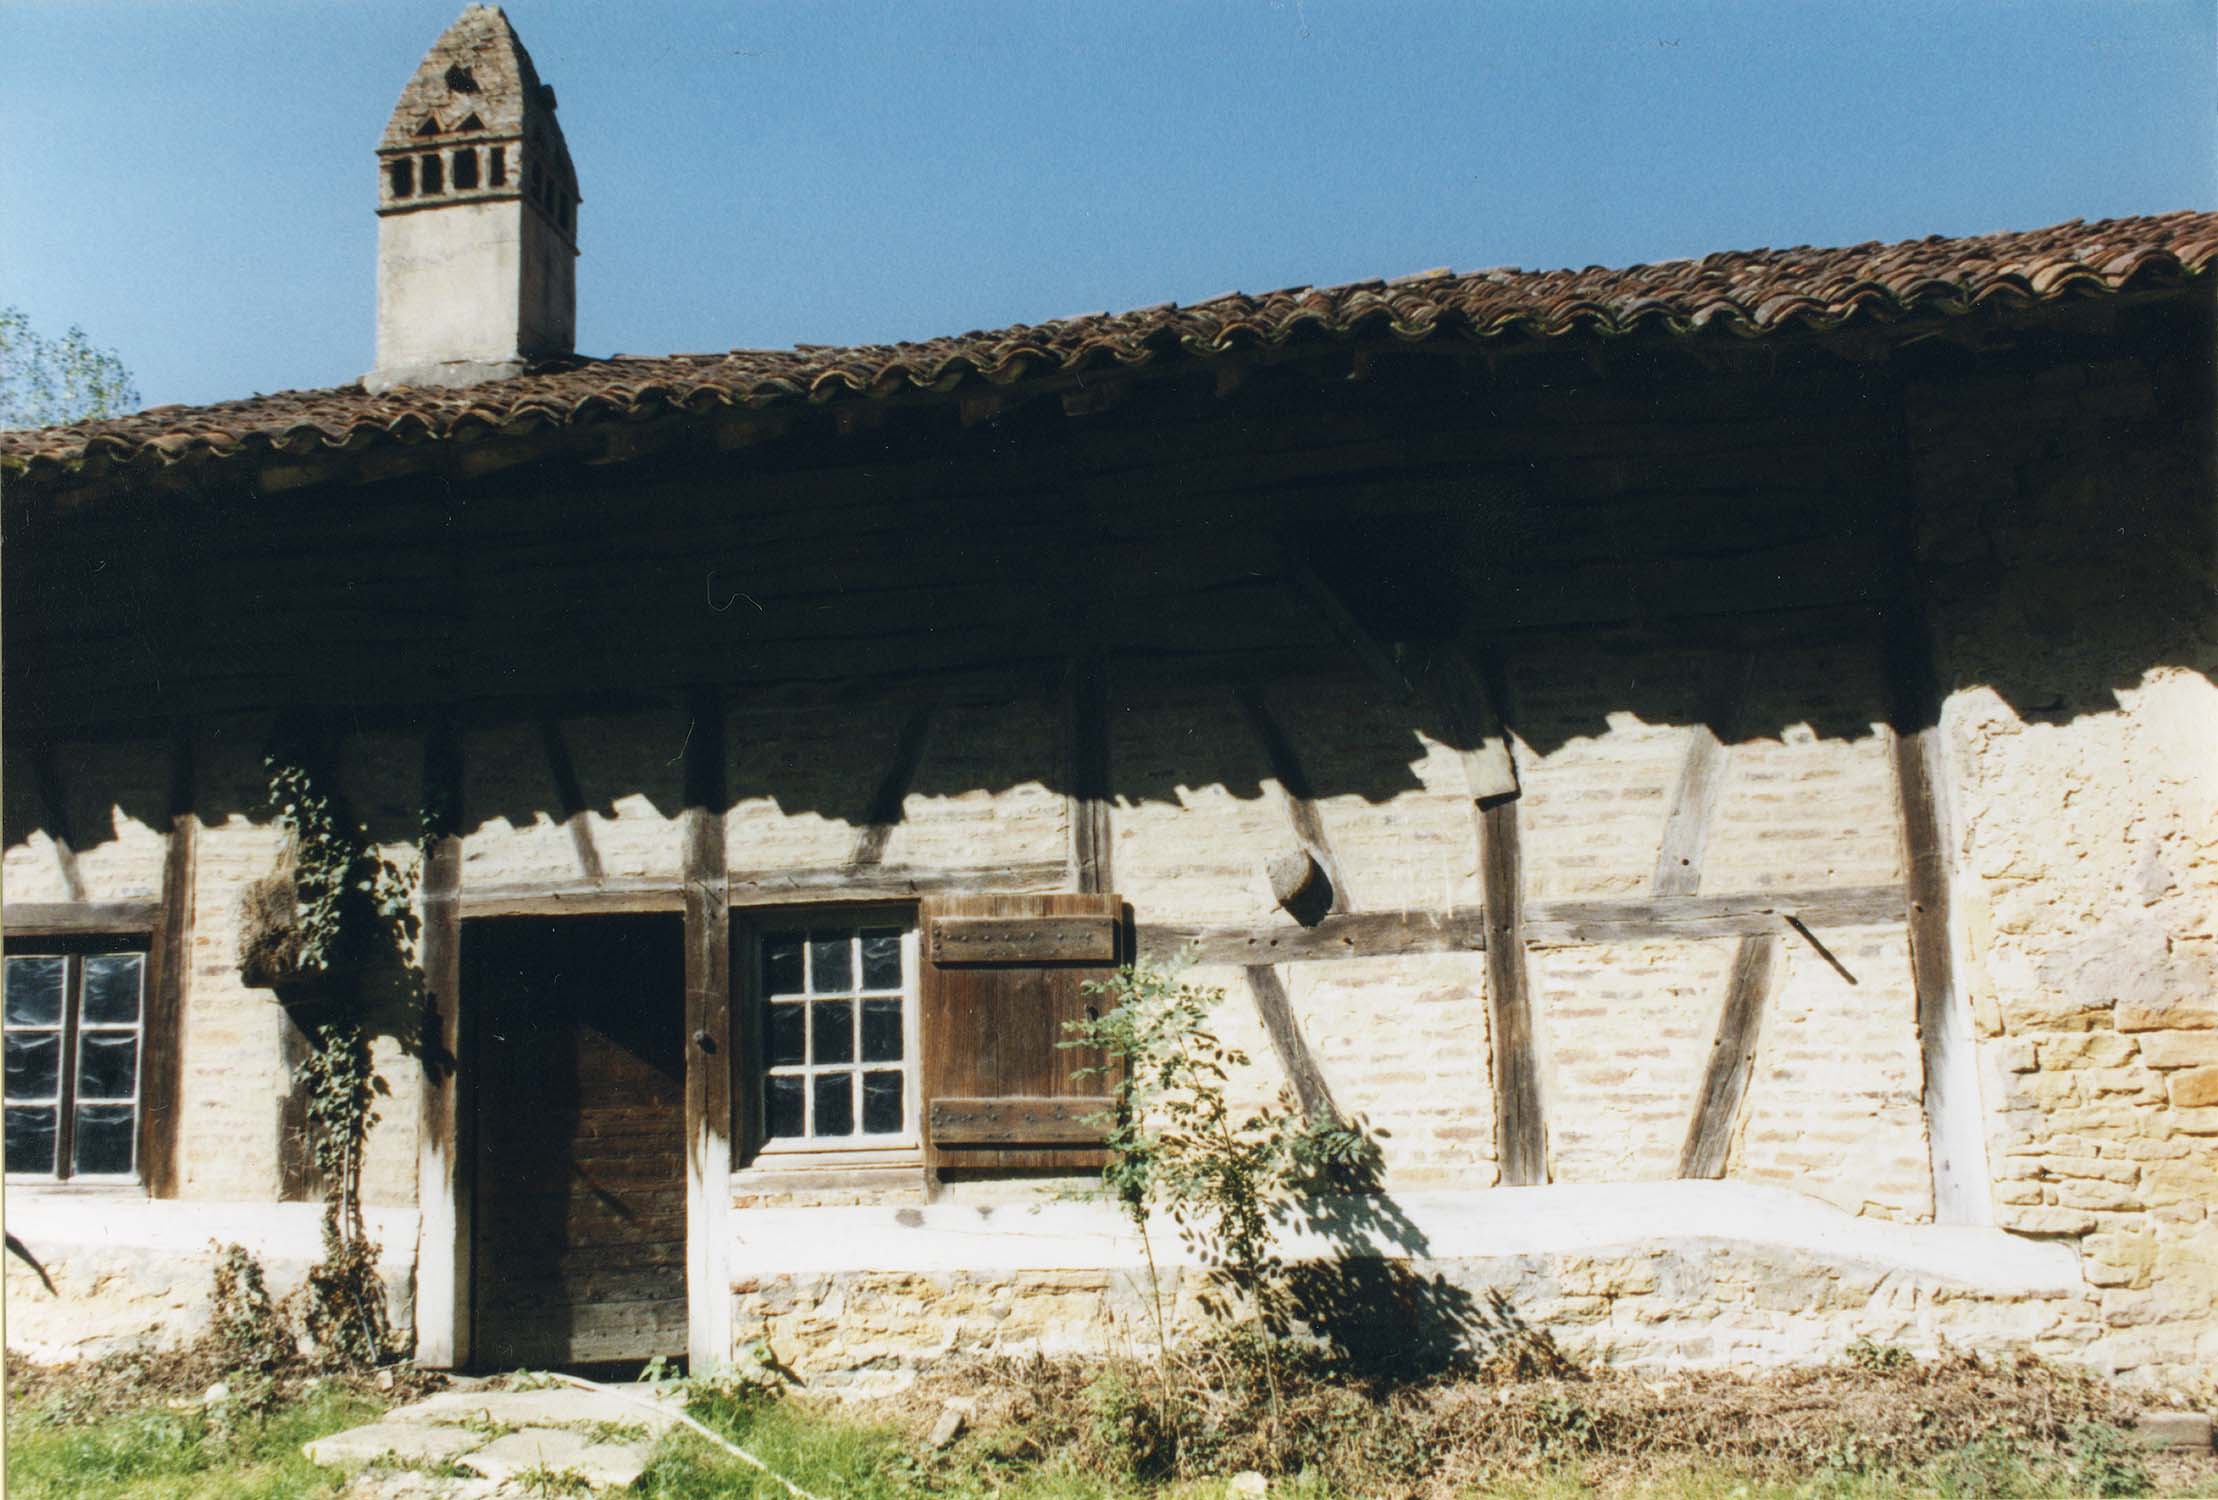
x=1748, y=293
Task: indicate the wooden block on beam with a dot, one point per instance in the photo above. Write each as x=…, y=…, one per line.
x=1020, y=1121
x=1023, y=940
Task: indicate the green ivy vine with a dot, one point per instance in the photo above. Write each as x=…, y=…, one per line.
x=354, y=930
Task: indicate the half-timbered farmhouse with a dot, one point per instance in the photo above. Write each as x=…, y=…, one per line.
x=1711, y=761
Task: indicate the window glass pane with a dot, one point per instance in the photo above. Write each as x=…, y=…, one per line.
x=832, y=1031
x=107, y=1064
x=34, y=1064
x=881, y=959
x=103, y=1139
x=782, y=1106
x=881, y=1103
x=835, y=1103
x=881, y=1031
x=784, y=1041
x=35, y=991
x=831, y=963
x=112, y=989
x=781, y=963
x=31, y=1138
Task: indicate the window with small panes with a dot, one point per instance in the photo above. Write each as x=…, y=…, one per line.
x=836, y=1020
x=75, y=1042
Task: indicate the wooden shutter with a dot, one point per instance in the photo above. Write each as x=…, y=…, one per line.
x=1000, y=976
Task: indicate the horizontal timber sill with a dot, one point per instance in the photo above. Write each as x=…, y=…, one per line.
x=1548, y=924
x=750, y=888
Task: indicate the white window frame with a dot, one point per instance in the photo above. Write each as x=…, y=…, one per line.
x=791, y=1153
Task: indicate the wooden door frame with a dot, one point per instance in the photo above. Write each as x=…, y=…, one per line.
x=445, y=1150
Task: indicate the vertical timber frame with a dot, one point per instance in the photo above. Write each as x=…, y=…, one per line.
x=1475, y=699
x=708, y=1039
x=1086, y=720
x=1954, y=1123
x=443, y=1158
x=169, y=953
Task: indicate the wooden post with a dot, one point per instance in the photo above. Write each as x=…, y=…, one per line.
x=1301, y=807
x=443, y=1165
x=885, y=807
x=708, y=1055
x=572, y=797
x=1954, y=1126
x=1087, y=801
x=1701, y=784
x=1520, y=1127
x=1732, y=1055
x=1302, y=1073
x=170, y=955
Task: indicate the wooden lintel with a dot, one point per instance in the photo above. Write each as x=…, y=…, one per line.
x=885, y=805
x=890, y=882
x=611, y=895
x=1360, y=935
x=63, y=918
x=1701, y=785
x=572, y=797
x=1303, y=1075
x=1732, y=1056
x=1301, y=804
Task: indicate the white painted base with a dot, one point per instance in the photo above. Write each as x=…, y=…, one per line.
x=1439, y=1225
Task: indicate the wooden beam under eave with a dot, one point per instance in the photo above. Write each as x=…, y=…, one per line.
x=1703, y=772
x=571, y=796
x=709, y=1034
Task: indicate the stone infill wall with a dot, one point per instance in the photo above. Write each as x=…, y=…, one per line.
x=2069, y=543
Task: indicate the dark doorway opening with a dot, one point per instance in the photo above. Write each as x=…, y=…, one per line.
x=576, y=1049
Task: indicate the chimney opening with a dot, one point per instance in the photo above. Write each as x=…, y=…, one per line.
x=465, y=169
x=497, y=168
x=401, y=175
x=434, y=175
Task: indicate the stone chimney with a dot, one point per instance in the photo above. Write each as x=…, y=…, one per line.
x=477, y=214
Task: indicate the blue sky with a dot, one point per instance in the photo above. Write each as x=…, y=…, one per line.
x=193, y=182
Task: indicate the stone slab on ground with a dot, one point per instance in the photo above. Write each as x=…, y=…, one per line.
x=506, y=1439
x=558, y=1450
x=2185, y=1431
x=403, y=1442
x=549, y=1408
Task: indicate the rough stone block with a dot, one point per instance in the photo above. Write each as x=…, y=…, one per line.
x=2047, y=1221
x=2179, y=1049
x=404, y=1442
x=2187, y=1015
x=2187, y=1431
x=2195, y=1088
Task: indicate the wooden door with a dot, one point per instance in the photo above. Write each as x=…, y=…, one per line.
x=577, y=1066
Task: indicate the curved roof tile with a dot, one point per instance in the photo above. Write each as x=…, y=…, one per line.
x=1750, y=293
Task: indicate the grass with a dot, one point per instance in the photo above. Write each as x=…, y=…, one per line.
x=156, y=1453
x=1060, y=1437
